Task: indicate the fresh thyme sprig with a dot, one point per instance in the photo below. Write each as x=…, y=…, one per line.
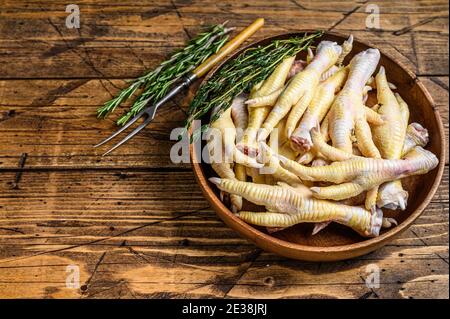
x=156, y=83
x=241, y=74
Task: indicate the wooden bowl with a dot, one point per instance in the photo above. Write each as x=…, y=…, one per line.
x=337, y=242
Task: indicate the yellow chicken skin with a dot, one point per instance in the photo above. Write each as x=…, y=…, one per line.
x=390, y=194
x=358, y=174
x=266, y=100
x=241, y=175
x=222, y=151
x=309, y=156
x=320, y=104
x=272, y=165
x=239, y=115
x=416, y=136
x=288, y=207
x=390, y=138
x=224, y=127
x=279, y=142
x=273, y=168
x=257, y=115
x=348, y=114
x=298, y=94
x=347, y=47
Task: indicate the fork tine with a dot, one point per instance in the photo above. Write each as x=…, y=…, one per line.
x=134, y=119
x=133, y=133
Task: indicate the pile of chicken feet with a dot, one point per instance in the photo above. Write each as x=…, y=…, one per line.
x=304, y=145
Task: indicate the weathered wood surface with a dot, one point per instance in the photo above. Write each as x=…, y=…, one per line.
x=137, y=225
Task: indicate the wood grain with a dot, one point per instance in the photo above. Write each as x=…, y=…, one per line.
x=146, y=236
x=110, y=35
x=134, y=216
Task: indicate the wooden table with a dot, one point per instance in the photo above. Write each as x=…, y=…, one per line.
x=135, y=225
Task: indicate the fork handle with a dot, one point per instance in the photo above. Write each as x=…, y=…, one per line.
x=203, y=68
x=231, y=45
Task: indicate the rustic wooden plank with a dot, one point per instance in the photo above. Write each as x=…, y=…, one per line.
x=413, y=8
x=128, y=41
x=153, y=15
x=161, y=231
x=125, y=229
x=196, y=272
x=126, y=217
x=130, y=59
x=56, y=125
x=135, y=270
x=392, y=7
x=432, y=52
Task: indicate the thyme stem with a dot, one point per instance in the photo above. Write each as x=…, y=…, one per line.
x=241, y=74
x=155, y=84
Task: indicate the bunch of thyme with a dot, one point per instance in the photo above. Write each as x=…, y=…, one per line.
x=155, y=84
x=240, y=75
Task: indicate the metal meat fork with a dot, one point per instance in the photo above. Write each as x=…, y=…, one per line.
x=150, y=111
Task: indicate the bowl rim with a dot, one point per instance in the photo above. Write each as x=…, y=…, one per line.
x=245, y=229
